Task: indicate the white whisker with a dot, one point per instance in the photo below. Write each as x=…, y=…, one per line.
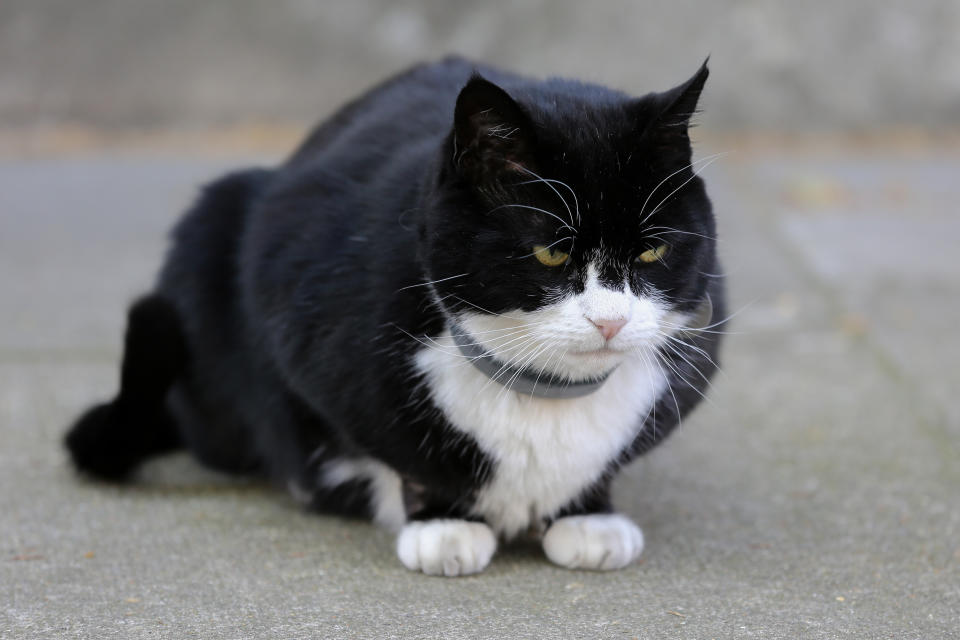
x=715, y=324
x=532, y=208
x=699, y=170
x=521, y=366
x=548, y=181
x=670, y=231
x=654, y=190
x=487, y=311
x=426, y=284
x=543, y=368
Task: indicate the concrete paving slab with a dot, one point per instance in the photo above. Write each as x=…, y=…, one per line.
x=879, y=236
x=815, y=496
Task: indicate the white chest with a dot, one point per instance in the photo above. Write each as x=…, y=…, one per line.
x=546, y=451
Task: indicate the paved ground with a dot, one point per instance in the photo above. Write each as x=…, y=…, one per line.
x=817, y=496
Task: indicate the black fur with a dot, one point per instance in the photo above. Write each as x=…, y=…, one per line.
x=279, y=332
x=111, y=439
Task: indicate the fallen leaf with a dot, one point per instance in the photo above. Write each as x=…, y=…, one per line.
x=853, y=325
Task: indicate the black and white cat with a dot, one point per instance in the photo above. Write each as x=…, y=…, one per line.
x=459, y=307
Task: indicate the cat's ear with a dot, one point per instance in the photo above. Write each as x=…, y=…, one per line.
x=676, y=107
x=491, y=133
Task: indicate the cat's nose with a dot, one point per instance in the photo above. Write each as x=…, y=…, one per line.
x=608, y=327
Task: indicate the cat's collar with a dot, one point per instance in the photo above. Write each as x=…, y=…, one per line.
x=535, y=382
x=538, y=383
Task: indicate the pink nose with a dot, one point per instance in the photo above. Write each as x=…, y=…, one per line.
x=609, y=327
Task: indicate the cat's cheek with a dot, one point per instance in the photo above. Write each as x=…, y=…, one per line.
x=596, y=541
x=446, y=547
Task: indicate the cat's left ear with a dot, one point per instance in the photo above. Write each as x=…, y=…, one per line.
x=677, y=106
x=491, y=133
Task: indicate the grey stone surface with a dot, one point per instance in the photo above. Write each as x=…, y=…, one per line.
x=809, y=65
x=817, y=494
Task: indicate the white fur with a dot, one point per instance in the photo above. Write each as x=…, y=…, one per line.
x=598, y=541
x=385, y=487
x=446, y=547
x=548, y=451
x=562, y=339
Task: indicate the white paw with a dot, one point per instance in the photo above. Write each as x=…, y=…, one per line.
x=598, y=541
x=446, y=547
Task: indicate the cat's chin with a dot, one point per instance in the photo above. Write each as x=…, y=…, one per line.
x=593, y=363
x=603, y=352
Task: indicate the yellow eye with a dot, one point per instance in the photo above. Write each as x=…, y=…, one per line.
x=549, y=257
x=652, y=255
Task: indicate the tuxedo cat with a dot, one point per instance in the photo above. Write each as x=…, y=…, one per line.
x=459, y=308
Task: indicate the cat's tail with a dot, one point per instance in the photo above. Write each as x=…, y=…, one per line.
x=111, y=439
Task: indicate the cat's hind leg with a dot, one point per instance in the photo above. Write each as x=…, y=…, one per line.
x=111, y=439
x=353, y=487
x=366, y=487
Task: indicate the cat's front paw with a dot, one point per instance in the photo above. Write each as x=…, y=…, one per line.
x=597, y=541
x=446, y=547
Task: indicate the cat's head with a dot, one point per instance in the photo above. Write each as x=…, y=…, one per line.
x=568, y=230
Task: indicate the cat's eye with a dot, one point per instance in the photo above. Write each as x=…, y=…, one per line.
x=652, y=255
x=549, y=257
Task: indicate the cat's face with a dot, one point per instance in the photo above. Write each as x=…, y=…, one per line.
x=568, y=235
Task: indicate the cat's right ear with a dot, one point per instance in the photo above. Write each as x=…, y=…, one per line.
x=491, y=133
x=674, y=109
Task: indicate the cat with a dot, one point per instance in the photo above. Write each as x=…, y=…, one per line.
x=458, y=308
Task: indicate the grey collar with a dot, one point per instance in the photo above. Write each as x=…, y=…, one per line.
x=538, y=383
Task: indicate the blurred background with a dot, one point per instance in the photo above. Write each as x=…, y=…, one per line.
x=816, y=494
x=858, y=66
